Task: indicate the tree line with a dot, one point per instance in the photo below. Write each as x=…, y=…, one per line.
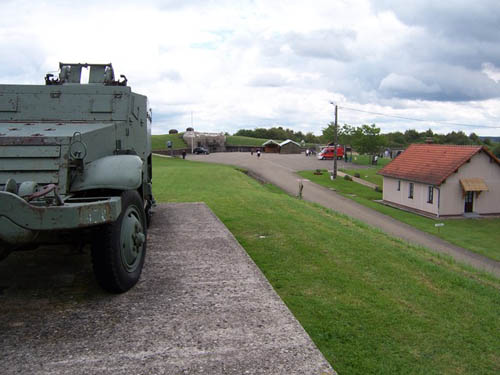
x=367, y=139
x=278, y=133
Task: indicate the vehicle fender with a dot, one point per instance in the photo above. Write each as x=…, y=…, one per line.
x=121, y=172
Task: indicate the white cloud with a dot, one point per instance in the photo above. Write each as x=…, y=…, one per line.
x=236, y=64
x=402, y=84
x=491, y=71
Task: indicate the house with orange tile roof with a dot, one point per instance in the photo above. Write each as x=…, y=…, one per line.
x=444, y=180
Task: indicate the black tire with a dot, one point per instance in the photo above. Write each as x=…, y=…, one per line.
x=149, y=213
x=119, y=248
x=4, y=252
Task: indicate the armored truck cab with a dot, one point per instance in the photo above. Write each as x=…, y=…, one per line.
x=75, y=167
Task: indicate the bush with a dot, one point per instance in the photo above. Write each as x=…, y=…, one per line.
x=347, y=177
x=496, y=150
x=357, y=175
x=173, y=131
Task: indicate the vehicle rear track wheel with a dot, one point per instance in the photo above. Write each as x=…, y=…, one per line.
x=119, y=248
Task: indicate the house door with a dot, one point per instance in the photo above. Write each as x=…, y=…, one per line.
x=469, y=201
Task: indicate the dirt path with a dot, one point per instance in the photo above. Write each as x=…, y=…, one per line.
x=280, y=171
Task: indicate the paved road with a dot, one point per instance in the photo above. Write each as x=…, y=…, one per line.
x=280, y=170
x=201, y=307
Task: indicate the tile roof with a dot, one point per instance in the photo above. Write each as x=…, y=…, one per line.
x=431, y=163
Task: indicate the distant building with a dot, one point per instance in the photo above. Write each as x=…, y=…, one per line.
x=214, y=142
x=290, y=147
x=285, y=147
x=444, y=180
x=271, y=146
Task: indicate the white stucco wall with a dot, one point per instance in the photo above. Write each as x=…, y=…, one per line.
x=488, y=202
x=419, y=201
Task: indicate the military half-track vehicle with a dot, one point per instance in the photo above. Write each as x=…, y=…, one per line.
x=75, y=168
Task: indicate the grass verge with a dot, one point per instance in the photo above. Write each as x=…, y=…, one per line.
x=159, y=142
x=366, y=160
x=478, y=235
x=368, y=174
x=372, y=304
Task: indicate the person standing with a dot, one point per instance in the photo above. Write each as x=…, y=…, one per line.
x=258, y=153
x=183, y=154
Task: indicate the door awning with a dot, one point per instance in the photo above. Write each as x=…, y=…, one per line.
x=473, y=184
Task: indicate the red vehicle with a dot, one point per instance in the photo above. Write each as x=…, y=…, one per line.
x=329, y=153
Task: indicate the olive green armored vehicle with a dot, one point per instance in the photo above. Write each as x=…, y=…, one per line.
x=75, y=168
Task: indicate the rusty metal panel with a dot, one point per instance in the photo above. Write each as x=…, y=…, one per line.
x=101, y=105
x=64, y=171
x=97, y=74
x=29, y=164
x=8, y=102
x=47, y=177
x=72, y=215
x=30, y=151
x=65, y=103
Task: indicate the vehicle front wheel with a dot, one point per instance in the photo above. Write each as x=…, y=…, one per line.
x=119, y=248
x=4, y=252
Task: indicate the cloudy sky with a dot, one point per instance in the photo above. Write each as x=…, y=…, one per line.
x=229, y=65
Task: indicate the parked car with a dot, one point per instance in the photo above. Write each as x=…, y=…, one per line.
x=200, y=150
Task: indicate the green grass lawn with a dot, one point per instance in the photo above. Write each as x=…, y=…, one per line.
x=368, y=174
x=236, y=140
x=366, y=160
x=481, y=236
x=159, y=142
x=371, y=303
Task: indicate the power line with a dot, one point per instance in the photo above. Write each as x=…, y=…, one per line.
x=421, y=120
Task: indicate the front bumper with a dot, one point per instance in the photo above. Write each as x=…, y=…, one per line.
x=19, y=220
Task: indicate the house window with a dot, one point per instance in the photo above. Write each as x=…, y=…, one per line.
x=410, y=190
x=430, y=194
x=399, y=185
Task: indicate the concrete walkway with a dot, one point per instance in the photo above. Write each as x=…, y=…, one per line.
x=280, y=170
x=201, y=307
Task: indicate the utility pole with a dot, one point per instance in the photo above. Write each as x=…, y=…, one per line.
x=334, y=172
